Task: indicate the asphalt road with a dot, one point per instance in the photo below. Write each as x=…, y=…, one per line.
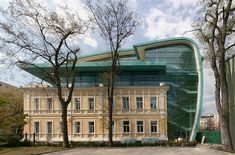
x=199, y=150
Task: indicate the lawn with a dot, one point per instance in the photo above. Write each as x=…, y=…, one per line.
x=27, y=150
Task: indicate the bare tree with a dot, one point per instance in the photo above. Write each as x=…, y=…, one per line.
x=30, y=33
x=216, y=32
x=115, y=23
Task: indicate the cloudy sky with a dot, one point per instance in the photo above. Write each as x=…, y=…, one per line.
x=160, y=19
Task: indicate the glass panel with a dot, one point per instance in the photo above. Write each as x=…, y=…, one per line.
x=140, y=127
x=126, y=126
x=113, y=127
x=153, y=103
x=49, y=127
x=49, y=103
x=36, y=103
x=36, y=127
x=77, y=127
x=153, y=125
x=91, y=127
x=91, y=103
x=125, y=102
x=139, y=102
x=77, y=103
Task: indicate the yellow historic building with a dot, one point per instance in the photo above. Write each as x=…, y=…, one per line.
x=139, y=112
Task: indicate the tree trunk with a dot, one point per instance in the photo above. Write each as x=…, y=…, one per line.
x=225, y=129
x=110, y=121
x=65, y=126
x=225, y=134
x=221, y=100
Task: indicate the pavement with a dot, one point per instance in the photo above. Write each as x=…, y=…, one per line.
x=198, y=150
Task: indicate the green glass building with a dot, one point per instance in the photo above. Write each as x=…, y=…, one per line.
x=175, y=61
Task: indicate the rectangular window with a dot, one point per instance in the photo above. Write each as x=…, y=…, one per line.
x=113, y=127
x=77, y=127
x=49, y=103
x=91, y=102
x=153, y=126
x=125, y=103
x=113, y=104
x=91, y=127
x=36, y=127
x=61, y=127
x=153, y=102
x=77, y=103
x=140, y=126
x=36, y=103
x=49, y=127
x=126, y=126
x=139, y=102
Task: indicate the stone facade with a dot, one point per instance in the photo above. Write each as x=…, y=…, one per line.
x=139, y=112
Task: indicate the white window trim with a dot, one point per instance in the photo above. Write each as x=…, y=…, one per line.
x=143, y=126
x=60, y=127
x=128, y=102
x=38, y=103
x=136, y=101
x=80, y=127
x=123, y=126
x=52, y=127
x=88, y=107
x=114, y=127
x=150, y=126
x=73, y=102
x=52, y=103
x=34, y=129
x=89, y=127
x=156, y=101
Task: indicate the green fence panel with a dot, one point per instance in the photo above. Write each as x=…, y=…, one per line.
x=211, y=137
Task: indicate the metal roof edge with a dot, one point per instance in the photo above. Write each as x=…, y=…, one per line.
x=105, y=52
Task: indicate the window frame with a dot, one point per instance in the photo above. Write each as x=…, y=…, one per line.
x=51, y=103
x=75, y=103
x=36, y=127
x=77, y=127
x=61, y=127
x=128, y=103
x=151, y=102
x=113, y=126
x=89, y=103
x=138, y=101
x=129, y=126
x=89, y=131
x=150, y=126
x=36, y=105
x=137, y=126
x=47, y=129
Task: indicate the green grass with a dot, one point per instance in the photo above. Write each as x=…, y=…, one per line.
x=27, y=150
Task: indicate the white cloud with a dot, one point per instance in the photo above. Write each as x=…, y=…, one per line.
x=73, y=5
x=184, y=3
x=170, y=18
x=90, y=41
x=161, y=23
x=133, y=4
x=4, y=3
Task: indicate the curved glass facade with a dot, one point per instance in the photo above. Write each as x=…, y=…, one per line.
x=180, y=74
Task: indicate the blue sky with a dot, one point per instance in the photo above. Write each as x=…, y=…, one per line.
x=160, y=19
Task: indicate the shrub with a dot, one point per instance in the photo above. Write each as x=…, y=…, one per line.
x=12, y=140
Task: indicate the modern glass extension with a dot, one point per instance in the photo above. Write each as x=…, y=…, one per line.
x=175, y=62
